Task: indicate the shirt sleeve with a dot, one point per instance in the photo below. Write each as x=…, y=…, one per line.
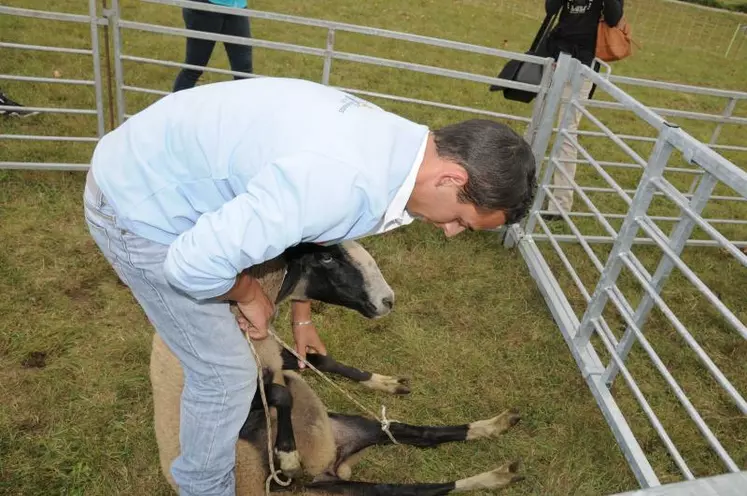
x=305, y=197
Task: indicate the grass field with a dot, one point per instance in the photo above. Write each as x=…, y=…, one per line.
x=470, y=329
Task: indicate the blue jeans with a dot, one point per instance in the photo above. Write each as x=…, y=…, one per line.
x=219, y=370
x=198, y=51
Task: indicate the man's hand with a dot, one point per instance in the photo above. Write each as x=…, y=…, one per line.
x=253, y=304
x=304, y=332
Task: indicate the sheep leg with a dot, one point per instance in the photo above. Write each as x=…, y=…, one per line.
x=325, y=363
x=494, y=479
x=354, y=434
x=285, y=451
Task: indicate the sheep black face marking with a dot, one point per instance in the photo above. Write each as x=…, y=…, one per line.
x=343, y=274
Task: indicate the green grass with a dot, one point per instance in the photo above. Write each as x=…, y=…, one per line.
x=470, y=328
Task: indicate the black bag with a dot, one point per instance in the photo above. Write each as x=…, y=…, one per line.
x=527, y=72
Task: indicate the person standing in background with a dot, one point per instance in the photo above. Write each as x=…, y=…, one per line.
x=575, y=34
x=198, y=51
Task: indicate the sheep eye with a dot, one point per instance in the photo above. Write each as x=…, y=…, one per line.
x=327, y=259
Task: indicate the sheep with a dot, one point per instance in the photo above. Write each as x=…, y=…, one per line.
x=344, y=274
x=308, y=440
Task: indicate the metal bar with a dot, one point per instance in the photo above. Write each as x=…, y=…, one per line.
x=180, y=65
x=641, y=201
x=574, y=276
x=328, y=56
x=595, y=211
x=138, y=89
x=676, y=389
x=44, y=48
x=729, y=484
x=427, y=69
x=351, y=57
x=619, y=142
x=549, y=107
x=545, y=108
x=435, y=104
x=564, y=259
x=653, y=293
x=652, y=217
x=567, y=238
x=656, y=235
x=48, y=138
x=588, y=362
x=353, y=28
x=574, y=229
x=671, y=113
x=728, y=111
x=652, y=417
x=41, y=14
x=118, y=70
x=559, y=83
x=681, y=88
x=44, y=166
x=694, y=152
x=98, y=90
x=628, y=165
x=35, y=79
x=680, y=234
x=632, y=192
x=648, y=115
x=50, y=110
x=647, y=139
x=592, y=161
x=670, y=191
x=108, y=64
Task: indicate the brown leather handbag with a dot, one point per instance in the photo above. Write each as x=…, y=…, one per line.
x=614, y=43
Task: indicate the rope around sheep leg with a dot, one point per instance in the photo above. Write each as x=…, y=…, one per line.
x=273, y=473
x=385, y=423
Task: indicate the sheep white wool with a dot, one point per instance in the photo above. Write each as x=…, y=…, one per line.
x=312, y=429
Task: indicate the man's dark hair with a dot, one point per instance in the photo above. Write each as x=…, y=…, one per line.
x=499, y=163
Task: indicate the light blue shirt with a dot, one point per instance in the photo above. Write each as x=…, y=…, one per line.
x=239, y=4
x=231, y=174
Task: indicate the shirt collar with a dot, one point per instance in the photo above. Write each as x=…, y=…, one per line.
x=396, y=215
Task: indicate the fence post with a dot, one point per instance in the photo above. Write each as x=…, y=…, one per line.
x=567, y=67
x=328, y=56
x=96, y=68
x=118, y=71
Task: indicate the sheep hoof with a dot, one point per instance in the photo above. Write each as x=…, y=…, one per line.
x=388, y=384
x=493, y=427
x=290, y=463
x=495, y=479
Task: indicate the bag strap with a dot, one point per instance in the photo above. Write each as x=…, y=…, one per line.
x=544, y=30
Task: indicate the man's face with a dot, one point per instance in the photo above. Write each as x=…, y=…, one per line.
x=441, y=207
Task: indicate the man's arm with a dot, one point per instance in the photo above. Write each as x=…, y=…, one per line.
x=294, y=199
x=613, y=11
x=553, y=6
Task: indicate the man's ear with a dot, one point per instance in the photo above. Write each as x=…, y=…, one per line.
x=453, y=176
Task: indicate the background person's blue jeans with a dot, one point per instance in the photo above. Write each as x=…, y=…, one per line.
x=198, y=51
x=219, y=370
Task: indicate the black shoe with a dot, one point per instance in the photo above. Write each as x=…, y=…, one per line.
x=19, y=112
x=552, y=217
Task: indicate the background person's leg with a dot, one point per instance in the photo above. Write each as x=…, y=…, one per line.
x=239, y=56
x=198, y=51
x=220, y=373
x=568, y=154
